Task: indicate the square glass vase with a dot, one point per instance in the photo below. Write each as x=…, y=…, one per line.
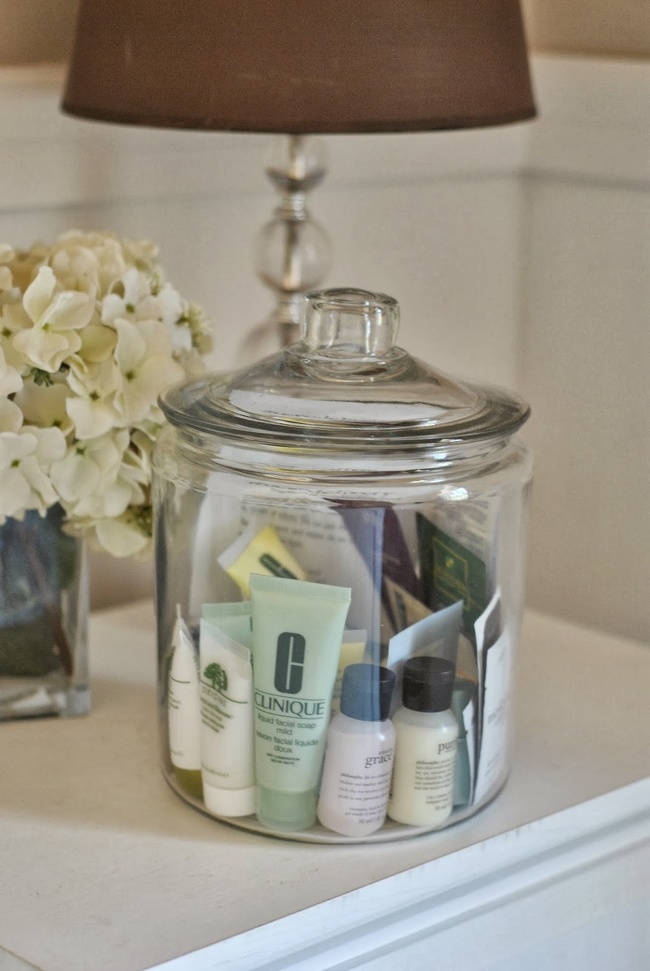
x=43, y=618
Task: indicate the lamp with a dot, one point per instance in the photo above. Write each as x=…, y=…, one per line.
x=298, y=68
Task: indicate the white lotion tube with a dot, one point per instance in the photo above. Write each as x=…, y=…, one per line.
x=183, y=710
x=297, y=632
x=227, y=755
x=359, y=754
x=426, y=734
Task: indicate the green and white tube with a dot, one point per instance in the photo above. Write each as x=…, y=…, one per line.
x=226, y=687
x=297, y=632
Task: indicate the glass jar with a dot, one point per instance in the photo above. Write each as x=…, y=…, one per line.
x=339, y=503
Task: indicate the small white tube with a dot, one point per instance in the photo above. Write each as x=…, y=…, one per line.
x=227, y=750
x=183, y=710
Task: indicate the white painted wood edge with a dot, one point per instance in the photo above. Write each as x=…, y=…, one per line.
x=389, y=914
x=594, y=122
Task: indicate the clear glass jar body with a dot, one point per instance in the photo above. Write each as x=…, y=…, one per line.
x=408, y=535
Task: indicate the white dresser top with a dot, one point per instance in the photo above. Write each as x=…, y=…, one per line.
x=104, y=867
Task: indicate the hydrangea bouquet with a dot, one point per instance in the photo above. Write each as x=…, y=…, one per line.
x=90, y=333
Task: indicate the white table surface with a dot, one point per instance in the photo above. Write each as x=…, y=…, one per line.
x=105, y=868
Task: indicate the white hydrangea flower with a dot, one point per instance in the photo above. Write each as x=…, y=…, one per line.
x=144, y=357
x=133, y=288
x=45, y=404
x=122, y=536
x=92, y=407
x=97, y=344
x=10, y=379
x=138, y=301
x=88, y=262
x=7, y=255
x=90, y=334
x=26, y=456
x=12, y=320
x=11, y=417
x=22, y=267
x=142, y=254
x=88, y=471
x=56, y=318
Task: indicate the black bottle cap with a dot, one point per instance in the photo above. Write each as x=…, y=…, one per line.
x=427, y=683
x=367, y=691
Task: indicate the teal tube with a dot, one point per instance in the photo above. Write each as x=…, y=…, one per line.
x=297, y=631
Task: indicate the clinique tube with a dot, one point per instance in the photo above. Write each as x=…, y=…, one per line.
x=183, y=714
x=227, y=754
x=297, y=632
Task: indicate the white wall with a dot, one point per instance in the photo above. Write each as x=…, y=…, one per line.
x=585, y=354
x=512, y=252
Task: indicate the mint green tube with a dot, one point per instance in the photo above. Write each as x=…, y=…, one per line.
x=234, y=619
x=297, y=631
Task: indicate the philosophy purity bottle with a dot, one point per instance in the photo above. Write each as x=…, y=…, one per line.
x=425, y=744
x=359, y=753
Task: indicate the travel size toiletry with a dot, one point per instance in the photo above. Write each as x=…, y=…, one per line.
x=377, y=533
x=462, y=707
x=435, y=635
x=426, y=734
x=234, y=619
x=318, y=539
x=297, y=633
x=227, y=751
x=452, y=571
x=183, y=710
x=496, y=668
x=352, y=651
x=259, y=550
x=359, y=753
x=405, y=609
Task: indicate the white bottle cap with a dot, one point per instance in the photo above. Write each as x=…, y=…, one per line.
x=229, y=802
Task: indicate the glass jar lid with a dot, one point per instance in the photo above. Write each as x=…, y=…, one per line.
x=345, y=386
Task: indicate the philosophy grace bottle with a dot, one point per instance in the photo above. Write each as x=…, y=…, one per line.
x=425, y=744
x=359, y=753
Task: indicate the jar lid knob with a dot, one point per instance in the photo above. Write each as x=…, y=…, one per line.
x=347, y=322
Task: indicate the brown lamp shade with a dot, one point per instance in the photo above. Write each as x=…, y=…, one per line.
x=300, y=66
